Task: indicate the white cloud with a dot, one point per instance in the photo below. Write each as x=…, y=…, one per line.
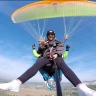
x=11, y=69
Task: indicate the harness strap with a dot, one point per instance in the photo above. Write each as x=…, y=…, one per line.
x=51, y=55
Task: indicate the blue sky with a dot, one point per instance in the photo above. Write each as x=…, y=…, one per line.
x=16, y=45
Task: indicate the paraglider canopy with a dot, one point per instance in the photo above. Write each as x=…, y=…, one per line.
x=53, y=9
x=65, y=0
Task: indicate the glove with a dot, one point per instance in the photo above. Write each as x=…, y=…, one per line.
x=67, y=47
x=33, y=46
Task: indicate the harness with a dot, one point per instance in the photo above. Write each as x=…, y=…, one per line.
x=50, y=67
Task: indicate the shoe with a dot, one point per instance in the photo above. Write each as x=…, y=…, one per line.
x=54, y=85
x=11, y=86
x=85, y=91
x=45, y=82
x=49, y=86
x=88, y=93
x=50, y=83
x=91, y=92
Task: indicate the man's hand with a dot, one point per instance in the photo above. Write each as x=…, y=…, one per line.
x=67, y=47
x=33, y=46
x=43, y=42
x=55, y=56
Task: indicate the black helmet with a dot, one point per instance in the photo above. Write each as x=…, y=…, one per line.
x=51, y=32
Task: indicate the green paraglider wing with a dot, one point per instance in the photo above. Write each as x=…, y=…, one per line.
x=50, y=9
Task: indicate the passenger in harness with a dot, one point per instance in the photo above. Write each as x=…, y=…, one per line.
x=48, y=70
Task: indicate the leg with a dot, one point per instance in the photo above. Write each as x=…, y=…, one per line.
x=33, y=70
x=52, y=80
x=44, y=74
x=69, y=74
x=83, y=90
x=46, y=78
x=59, y=74
x=15, y=84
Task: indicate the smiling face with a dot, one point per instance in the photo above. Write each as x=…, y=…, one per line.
x=50, y=37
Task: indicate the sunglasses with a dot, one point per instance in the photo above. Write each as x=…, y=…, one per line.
x=50, y=34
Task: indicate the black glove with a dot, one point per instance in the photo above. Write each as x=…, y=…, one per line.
x=33, y=46
x=67, y=47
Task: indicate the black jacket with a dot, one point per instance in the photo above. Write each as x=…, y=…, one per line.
x=55, y=44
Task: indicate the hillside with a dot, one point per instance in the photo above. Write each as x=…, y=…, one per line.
x=39, y=89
